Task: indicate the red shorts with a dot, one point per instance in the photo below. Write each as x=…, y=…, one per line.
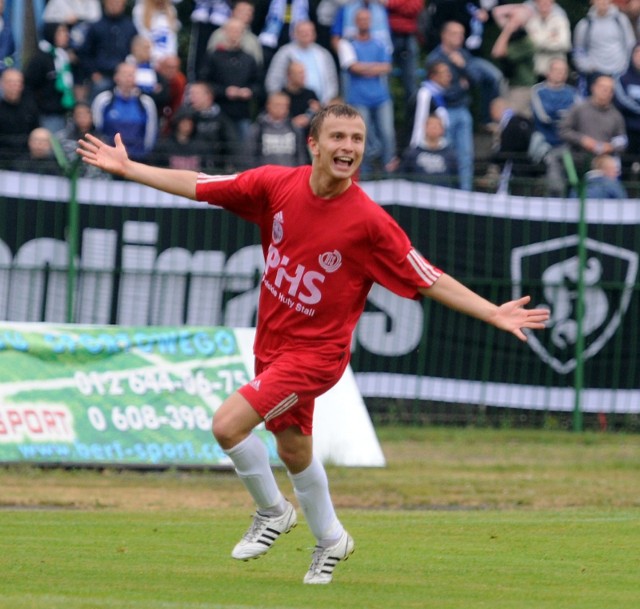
x=284, y=390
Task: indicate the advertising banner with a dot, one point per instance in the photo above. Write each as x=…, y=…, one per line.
x=141, y=396
x=115, y=395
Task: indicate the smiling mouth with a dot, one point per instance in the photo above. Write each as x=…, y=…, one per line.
x=343, y=161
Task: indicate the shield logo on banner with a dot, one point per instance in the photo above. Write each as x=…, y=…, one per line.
x=551, y=271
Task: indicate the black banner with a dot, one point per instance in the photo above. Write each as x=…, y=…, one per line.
x=175, y=263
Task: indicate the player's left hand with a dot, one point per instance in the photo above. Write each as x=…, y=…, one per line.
x=94, y=151
x=513, y=317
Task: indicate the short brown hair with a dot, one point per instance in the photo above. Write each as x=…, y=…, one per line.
x=337, y=110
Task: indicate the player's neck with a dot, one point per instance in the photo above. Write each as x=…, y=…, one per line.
x=328, y=187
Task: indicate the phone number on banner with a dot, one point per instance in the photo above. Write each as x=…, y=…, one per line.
x=138, y=418
x=158, y=381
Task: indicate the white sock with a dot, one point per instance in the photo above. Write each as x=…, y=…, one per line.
x=251, y=460
x=311, y=487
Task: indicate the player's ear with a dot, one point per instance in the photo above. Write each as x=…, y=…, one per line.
x=312, y=145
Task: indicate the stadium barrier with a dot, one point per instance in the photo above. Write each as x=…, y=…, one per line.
x=111, y=252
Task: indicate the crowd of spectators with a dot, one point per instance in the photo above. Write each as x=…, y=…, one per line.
x=223, y=85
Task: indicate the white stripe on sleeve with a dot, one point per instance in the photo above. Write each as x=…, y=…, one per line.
x=428, y=273
x=204, y=178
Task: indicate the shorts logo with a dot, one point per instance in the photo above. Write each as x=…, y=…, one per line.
x=255, y=383
x=330, y=261
x=277, y=232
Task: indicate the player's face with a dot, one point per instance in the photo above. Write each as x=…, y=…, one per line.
x=340, y=145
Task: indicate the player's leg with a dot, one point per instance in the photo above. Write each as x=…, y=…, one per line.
x=234, y=420
x=311, y=488
x=232, y=427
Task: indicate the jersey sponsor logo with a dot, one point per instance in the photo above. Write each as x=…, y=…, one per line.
x=293, y=284
x=277, y=231
x=330, y=261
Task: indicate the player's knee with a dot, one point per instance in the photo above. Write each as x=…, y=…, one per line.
x=294, y=458
x=233, y=421
x=223, y=433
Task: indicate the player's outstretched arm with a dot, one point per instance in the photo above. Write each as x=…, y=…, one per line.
x=510, y=316
x=115, y=160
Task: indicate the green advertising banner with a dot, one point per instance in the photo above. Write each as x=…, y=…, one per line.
x=136, y=396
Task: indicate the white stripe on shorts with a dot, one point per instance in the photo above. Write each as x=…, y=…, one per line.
x=282, y=407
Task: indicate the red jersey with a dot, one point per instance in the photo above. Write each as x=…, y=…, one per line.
x=321, y=256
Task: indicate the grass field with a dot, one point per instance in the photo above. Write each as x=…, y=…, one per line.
x=459, y=519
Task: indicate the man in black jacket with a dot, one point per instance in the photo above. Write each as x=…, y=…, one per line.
x=107, y=44
x=18, y=114
x=236, y=80
x=48, y=77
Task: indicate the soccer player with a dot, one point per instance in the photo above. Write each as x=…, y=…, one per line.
x=325, y=243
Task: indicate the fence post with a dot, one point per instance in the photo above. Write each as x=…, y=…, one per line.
x=578, y=186
x=72, y=239
x=71, y=170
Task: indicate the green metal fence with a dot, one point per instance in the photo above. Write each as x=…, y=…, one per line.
x=110, y=252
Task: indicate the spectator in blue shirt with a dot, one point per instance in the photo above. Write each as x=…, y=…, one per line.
x=603, y=181
x=125, y=110
x=367, y=64
x=345, y=24
x=344, y=27
x=457, y=97
x=550, y=101
x=7, y=43
x=627, y=100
